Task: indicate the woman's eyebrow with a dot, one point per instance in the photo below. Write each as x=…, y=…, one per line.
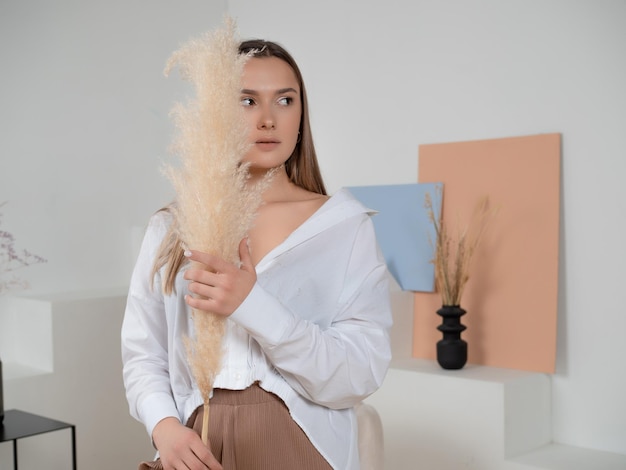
x=286, y=90
x=281, y=91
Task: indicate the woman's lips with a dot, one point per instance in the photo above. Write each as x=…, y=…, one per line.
x=267, y=145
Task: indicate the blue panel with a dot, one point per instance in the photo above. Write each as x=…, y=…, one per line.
x=404, y=231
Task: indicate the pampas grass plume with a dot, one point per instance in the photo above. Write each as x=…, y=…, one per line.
x=215, y=205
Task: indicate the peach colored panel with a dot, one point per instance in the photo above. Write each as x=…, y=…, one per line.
x=511, y=297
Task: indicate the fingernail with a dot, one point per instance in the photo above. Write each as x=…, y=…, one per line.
x=187, y=253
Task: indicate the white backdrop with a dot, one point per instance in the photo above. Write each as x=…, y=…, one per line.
x=84, y=128
x=386, y=76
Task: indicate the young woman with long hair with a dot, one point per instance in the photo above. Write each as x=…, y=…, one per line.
x=307, y=308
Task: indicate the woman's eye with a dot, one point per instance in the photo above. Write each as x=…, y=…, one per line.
x=285, y=101
x=247, y=101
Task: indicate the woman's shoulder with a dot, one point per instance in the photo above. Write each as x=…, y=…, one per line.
x=343, y=200
x=163, y=217
x=301, y=194
x=310, y=202
x=159, y=224
x=299, y=203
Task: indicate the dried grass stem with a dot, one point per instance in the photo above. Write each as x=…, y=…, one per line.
x=453, y=254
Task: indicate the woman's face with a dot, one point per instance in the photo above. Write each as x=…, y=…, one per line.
x=271, y=98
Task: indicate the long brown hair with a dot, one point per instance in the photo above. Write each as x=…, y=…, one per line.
x=302, y=166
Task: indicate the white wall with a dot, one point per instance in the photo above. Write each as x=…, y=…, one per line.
x=386, y=76
x=84, y=127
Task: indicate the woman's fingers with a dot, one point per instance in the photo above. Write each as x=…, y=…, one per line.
x=211, y=262
x=180, y=447
x=206, y=457
x=219, y=286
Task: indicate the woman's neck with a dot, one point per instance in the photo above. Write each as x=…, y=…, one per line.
x=279, y=188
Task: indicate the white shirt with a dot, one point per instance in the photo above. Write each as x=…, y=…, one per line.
x=313, y=330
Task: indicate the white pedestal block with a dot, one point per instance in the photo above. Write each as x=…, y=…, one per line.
x=476, y=418
x=473, y=418
x=64, y=362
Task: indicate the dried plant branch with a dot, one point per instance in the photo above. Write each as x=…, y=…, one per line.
x=453, y=255
x=215, y=205
x=11, y=260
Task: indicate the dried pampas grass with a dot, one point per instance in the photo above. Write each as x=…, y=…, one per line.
x=215, y=205
x=453, y=255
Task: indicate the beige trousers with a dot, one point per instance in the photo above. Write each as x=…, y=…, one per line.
x=252, y=429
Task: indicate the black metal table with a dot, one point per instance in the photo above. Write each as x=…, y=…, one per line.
x=18, y=424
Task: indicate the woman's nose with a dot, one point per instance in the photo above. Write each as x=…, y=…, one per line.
x=266, y=121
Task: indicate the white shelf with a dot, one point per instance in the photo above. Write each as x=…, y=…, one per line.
x=63, y=362
x=16, y=370
x=562, y=457
x=478, y=418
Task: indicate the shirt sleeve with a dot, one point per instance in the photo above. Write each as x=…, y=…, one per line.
x=339, y=365
x=145, y=339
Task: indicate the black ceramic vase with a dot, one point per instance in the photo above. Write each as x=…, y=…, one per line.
x=451, y=350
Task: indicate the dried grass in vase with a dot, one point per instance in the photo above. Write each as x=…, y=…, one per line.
x=453, y=255
x=215, y=205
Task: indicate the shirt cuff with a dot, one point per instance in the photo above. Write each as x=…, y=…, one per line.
x=155, y=408
x=264, y=317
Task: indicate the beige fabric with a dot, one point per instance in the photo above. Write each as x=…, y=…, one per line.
x=371, y=439
x=252, y=429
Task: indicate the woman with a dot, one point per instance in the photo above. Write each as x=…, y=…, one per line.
x=308, y=308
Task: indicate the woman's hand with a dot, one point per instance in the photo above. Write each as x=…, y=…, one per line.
x=180, y=447
x=221, y=286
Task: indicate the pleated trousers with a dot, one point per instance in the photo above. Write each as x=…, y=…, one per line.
x=252, y=429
